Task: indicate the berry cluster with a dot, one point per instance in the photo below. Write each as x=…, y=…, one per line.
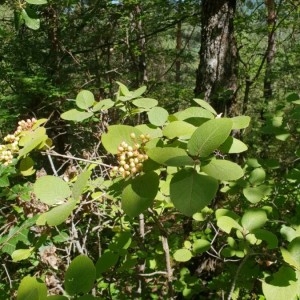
x=12, y=140
x=131, y=158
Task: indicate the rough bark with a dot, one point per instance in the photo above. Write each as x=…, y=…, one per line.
x=271, y=22
x=216, y=80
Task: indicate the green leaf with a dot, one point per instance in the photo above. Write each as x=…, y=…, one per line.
x=200, y=246
x=21, y=254
x=145, y=102
x=158, y=116
x=80, y=184
x=284, y=284
x=26, y=166
x=190, y=192
x=254, y=219
x=51, y=190
x=205, y=105
x=76, y=115
x=32, y=289
x=85, y=99
x=123, y=89
x=32, y=140
x=153, y=131
x=222, y=169
x=240, y=122
x=226, y=224
x=257, y=176
x=226, y=212
x=106, y=261
x=80, y=276
x=292, y=254
x=139, y=92
x=256, y=194
x=193, y=112
x=170, y=156
x=267, y=236
x=36, y=2
x=292, y=97
x=182, y=255
x=57, y=215
x=57, y=297
x=4, y=181
x=103, y=105
x=139, y=194
x=209, y=136
x=116, y=135
x=233, y=145
x=30, y=22
x=178, y=129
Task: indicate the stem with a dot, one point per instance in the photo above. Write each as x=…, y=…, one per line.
x=236, y=276
x=141, y=266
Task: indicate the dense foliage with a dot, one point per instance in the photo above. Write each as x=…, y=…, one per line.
x=116, y=183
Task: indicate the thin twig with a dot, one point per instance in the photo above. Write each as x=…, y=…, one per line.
x=53, y=153
x=236, y=276
x=52, y=165
x=9, y=279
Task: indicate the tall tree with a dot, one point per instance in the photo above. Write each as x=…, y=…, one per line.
x=216, y=79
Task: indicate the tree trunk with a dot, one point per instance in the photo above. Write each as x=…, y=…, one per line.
x=216, y=80
x=271, y=21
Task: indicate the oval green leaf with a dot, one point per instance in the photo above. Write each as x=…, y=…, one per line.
x=76, y=115
x=36, y=2
x=21, y=254
x=103, y=105
x=182, y=255
x=200, y=246
x=56, y=215
x=179, y=129
x=256, y=194
x=222, y=169
x=190, y=192
x=170, y=156
x=209, y=136
x=205, y=105
x=257, y=176
x=31, y=288
x=240, y=122
x=254, y=219
x=26, y=166
x=158, y=116
x=80, y=276
x=51, y=190
x=139, y=194
x=145, y=102
x=233, y=145
x=85, y=99
x=226, y=224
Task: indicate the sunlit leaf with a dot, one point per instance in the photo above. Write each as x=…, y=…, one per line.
x=209, y=136
x=182, y=255
x=178, y=129
x=51, y=189
x=170, y=156
x=222, y=169
x=158, y=116
x=254, y=219
x=80, y=275
x=31, y=288
x=76, y=115
x=85, y=99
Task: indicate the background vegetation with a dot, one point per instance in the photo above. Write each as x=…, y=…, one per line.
x=208, y=207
